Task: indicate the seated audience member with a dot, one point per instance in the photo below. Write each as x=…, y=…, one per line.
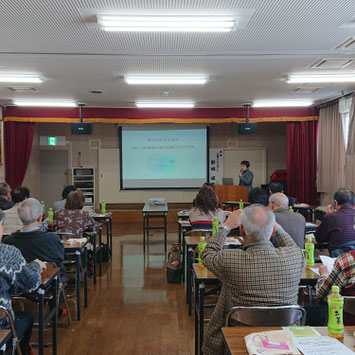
x=73, y=218
x=59, y=205
x=5, y=196
x=12, y=220
x=256, y=274
x=32, y=241
x=337, y=226
x=17, y=276
x=342, y=275
x=205, y=209
x=275, y=187
x=258, y=195
x=293, y=223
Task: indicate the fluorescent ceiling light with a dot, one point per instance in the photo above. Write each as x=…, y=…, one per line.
x=167, y=23
x=282, y=103
x=165, y=104
x=44, y=103
x=321, y=78
x=20, y=78
x=167, y=79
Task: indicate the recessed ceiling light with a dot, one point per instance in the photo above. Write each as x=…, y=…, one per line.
x=167, y=23
x=282, y=103
x=20, y=78
x=165, y=104
x=322, y=78
x=44, y=103
x=197, y=79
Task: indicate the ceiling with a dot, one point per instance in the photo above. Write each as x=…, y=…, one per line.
x=61, y=41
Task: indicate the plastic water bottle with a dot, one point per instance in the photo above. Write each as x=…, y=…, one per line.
x=241, y=204
x=103, y=207
x=309, y=247
x=215, y=225
x=290, y=209
x=335, y=318
x=50, y=216
x=201, y=246
x=43, y=207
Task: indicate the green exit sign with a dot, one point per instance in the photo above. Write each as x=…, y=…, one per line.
x=52, y=140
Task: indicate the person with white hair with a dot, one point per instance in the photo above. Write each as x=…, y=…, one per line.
x=32, y=241
x=292, y=222
x=255, y=274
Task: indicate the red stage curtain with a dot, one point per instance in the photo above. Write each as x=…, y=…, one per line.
x=18, y=143
x=302, y=161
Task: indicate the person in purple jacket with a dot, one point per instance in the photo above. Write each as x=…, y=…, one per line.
x=337, y=227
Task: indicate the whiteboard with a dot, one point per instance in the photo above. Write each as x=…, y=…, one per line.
x=256, y=158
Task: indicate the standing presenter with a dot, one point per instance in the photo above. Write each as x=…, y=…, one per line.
x=245, y=175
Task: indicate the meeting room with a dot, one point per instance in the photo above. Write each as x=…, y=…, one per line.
x=177, y=177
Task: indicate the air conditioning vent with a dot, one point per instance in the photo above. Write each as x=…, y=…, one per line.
x=304, y=90
x=336, y=63
x=22, y=88
x=349, y=44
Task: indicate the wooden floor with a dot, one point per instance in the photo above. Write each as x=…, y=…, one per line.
x=132, y=309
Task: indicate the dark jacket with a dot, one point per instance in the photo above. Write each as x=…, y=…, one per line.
x=247, y=179
x=337, y=228
x=45, y=246
x=293, y=223
x=5, y=204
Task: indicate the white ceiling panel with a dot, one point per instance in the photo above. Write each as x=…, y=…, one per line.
x=61, y=40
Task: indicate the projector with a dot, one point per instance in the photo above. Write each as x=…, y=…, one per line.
x=157, y=201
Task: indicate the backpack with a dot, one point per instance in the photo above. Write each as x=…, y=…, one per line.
x=174, y=266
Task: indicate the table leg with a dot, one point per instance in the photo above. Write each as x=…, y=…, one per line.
x=196, y=318
x=189, y=279
x=77, y=283
x=202, y=317
x=54, y=320
x=85, y=270
x=179, y=233
x=100, y=251
x=110, y=225
x=165, y=234
x=143, y=232
x=40, y=320
x=108, y=236
x=94, y=255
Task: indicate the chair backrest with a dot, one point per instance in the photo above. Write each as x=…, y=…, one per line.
x=266, y=316
x=349, y=304
x=4, y=313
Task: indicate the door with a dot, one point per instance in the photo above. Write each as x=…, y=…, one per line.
x=54, y=172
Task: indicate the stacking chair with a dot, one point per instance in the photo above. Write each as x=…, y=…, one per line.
x=4, y=313
x=266, y=316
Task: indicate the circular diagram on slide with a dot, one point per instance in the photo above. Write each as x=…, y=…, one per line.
x=164, y=164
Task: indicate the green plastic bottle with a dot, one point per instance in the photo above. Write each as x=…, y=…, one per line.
x=50, y=216
x=309, y=247
x=290, y=209
x=241, y=204
x=103, y=207
x=217, y=182
x=201, y=246
x=335, y=317
x=214, y=225
x=43, y=207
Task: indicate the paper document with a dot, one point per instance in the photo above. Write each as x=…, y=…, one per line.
x=315, y=270
x=328, y=262
x=321, y=345
x=305, y=331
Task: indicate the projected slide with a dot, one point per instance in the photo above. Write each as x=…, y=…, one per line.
x=163, y=158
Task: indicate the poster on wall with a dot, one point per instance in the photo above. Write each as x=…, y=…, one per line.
x=216, y=166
